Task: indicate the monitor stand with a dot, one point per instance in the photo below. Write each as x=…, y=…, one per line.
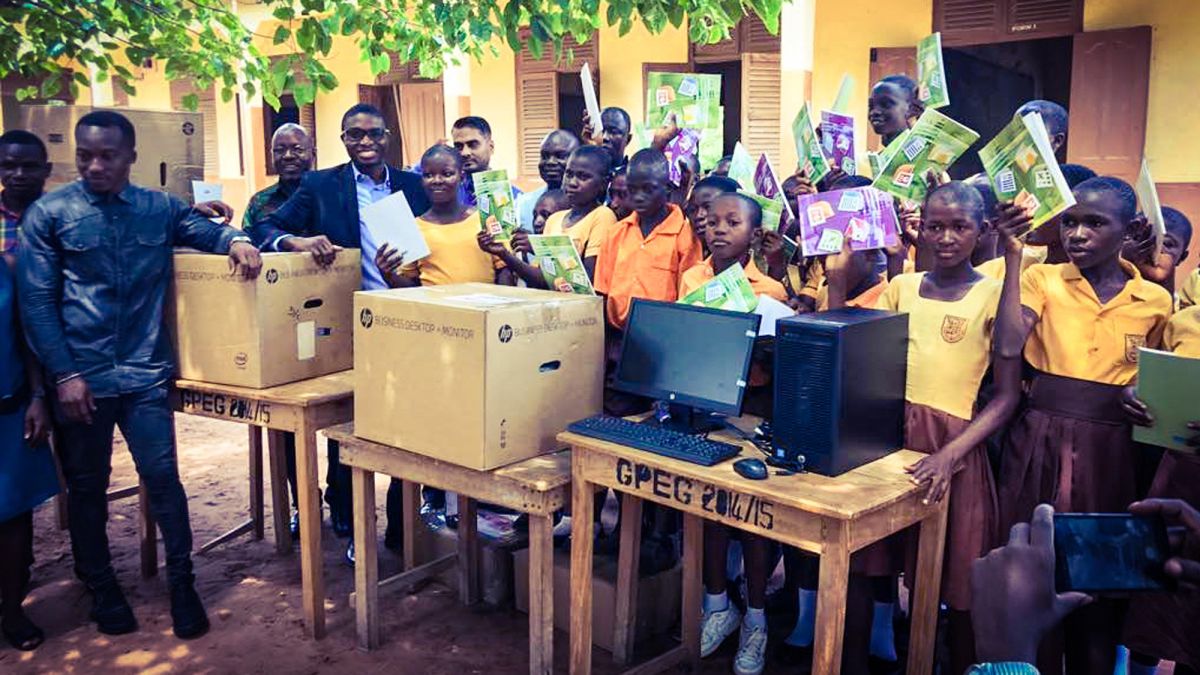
x=685, y=419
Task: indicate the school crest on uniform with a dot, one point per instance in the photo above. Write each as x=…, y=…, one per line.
x=1132, y=344
x=954, y=328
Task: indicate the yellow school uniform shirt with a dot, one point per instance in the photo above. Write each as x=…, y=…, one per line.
x=1030, y=256
x=949, y=343
x=454, y=255
x=1078, y=337
x=698, y=275
x=1182, y=335
x=1189, y=290
x=588, y=233
x=868, y=298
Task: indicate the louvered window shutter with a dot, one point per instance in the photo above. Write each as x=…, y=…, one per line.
x=965, y=22
x=755, y=38
x=760, y=105
x=537, y=115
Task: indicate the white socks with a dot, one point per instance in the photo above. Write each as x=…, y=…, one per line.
x=883, y=637
x=802, y=634
x=755, y=618
x=717, y=602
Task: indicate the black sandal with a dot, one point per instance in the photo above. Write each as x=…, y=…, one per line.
x=26, y=638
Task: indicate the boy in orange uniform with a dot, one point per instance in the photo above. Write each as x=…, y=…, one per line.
x=734, y=229
x=643, y=256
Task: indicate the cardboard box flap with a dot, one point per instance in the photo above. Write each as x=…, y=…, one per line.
x=481, y=297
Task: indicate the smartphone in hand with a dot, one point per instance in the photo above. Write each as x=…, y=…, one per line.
x=1109, y=553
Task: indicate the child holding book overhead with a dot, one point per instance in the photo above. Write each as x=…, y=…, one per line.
x=1162, y=625
x=1072, y=446
x=734, y=230
x=958, y=326
x=1176, y=238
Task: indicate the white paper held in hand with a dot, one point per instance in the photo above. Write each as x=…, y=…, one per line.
x=391, y=221
x=771, y=310
x=589, y=98
x=206, y=192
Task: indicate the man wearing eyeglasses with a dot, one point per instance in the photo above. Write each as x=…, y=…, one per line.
x=322, y=217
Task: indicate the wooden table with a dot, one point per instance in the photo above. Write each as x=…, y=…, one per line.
x=831, y=517
x=537, y=487
x=302, y=408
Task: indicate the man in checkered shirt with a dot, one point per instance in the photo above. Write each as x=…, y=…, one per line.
x=23, y=172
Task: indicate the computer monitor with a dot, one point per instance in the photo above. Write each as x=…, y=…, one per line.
x=694, y=358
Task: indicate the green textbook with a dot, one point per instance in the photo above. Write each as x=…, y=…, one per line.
x=1022, y=169
x=1166, y=383
x=741, y=166
x=693, y=97
x=730, y=290
x=808, y=148
x=772, y=210
x=932, y=144
x=497, y=212
x=559, y=262
x=932, y=89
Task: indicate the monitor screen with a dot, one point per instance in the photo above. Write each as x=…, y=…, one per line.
x=687, y=355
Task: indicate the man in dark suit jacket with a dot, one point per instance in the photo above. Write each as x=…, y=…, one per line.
x=321, y=218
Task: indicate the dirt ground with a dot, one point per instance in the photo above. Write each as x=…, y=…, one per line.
x=253, y=595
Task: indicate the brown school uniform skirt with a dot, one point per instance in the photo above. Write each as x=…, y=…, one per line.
x=971, y=521
x=1167, y=625
x=1070, y=448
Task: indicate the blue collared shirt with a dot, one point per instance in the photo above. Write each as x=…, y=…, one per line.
x=369, y=192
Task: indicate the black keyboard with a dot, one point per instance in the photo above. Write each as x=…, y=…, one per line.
x=656, y=439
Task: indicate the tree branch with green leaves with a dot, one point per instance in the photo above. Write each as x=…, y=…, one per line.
x=206, y=43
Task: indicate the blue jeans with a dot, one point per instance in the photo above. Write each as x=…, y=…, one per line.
x=146, y=420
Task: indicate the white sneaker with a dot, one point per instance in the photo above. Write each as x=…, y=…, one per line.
x=752, y=651
x=717, y=626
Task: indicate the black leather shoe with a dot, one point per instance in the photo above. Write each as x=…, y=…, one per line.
x=393, y=541
x=187, y=612
x=111, y=611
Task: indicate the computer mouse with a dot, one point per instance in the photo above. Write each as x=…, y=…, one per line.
x=754, y=469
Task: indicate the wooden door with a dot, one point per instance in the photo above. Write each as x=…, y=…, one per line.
x=886, y=61
x=537, y=115
x=760, y=106
x=422, y=118
x=1110, y=88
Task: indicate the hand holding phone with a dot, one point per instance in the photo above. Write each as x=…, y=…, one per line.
x=1106, y=553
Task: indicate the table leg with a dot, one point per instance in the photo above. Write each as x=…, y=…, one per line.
x=415, y=533
x=582, y=520
x=256, y=480
x=281, y=506
x=468, y=550
x=925, y=592
x=625, y=619
x=366, y=568
x=148, y=533
x=693, y=584
x=541, y=595
x=831, y=603
x=312, y=581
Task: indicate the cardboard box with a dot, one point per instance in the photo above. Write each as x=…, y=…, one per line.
x=475, y=374
x=291, y=323
x=657, y=600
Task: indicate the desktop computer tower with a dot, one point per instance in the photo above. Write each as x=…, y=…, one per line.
x=839, y=388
